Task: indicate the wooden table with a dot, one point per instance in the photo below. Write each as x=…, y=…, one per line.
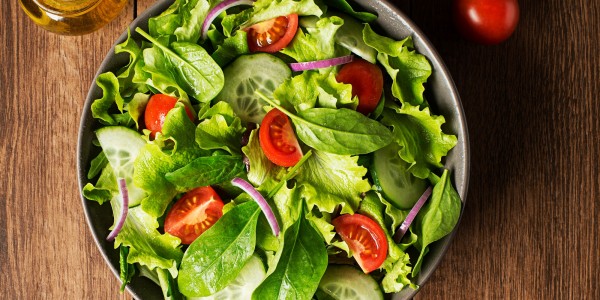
x=530, y=228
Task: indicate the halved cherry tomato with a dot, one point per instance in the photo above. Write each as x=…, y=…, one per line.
x=157, y=109
x=365, y=238
x=367, y=83
x=272, y=35
x=277, y=139
x=193, y=214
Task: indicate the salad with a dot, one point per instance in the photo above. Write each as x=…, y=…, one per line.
x=271, y=149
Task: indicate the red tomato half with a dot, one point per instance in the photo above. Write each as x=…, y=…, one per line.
x=486, y=22
x=278, y=140
x=272, y=35
x=367, y=83
x=193, y=214
x=365, y=238
x=157, y=109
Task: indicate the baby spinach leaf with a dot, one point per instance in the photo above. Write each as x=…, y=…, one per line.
x=215, y=258
x=190, y=66
x=127, y=270
x=207, y=170
x=437, y=218
x=302, y=263
x=339, y=131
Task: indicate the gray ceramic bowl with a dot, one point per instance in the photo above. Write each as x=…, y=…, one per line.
x=442, y=96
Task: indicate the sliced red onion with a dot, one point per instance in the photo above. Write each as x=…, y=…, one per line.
x=217, y=10
x=262, y=203
x=411, y=215
x=318, y=64
x=124, y=209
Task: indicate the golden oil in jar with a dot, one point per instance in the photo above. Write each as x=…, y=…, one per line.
x=72, y=17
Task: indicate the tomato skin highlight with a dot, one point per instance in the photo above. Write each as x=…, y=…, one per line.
x=367, y=83
x=278, y=140
x=487, y=22
x=194, y=213
x=272, y=35
x=366, y=240
x=157, y=109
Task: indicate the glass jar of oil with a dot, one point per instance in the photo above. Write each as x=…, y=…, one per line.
x=72, y=17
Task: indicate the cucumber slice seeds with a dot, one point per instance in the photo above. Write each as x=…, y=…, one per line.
x=121, y=145
x=249, y=73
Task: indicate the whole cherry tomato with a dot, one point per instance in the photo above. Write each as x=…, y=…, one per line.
x=367, y=83
x=486, y=22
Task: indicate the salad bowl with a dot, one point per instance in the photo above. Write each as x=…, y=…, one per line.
x=440, y=91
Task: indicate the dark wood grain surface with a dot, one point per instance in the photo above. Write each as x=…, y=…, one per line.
x=530, y=228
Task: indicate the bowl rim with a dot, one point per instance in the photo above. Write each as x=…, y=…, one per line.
x=137, y=287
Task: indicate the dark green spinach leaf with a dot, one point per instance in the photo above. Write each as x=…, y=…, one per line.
x=188, y=64
x=302, y=263
x=206, y=170
x=338, y=131
x=215, y=259
x=437, y=218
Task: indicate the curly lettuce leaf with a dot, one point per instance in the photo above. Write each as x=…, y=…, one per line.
x=152, y=164
x=232, y=22
x=109, y=84
x=193, y=13
x=127, y=86
x=330, y=180
x=408, y=69
x=231, y=48
x=262, y=172
x=396, y=265
x=220, y=128
x=269, y=9
x=148, y=247
x=314, y=89
x=422, y=141
x=318, y=43
x=105, y=187
x=166, y=23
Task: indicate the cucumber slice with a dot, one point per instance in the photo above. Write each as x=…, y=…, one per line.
x=121, y=145
x=242, y=287
x=348, y=283
x=397, y=183
x=247, y=74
